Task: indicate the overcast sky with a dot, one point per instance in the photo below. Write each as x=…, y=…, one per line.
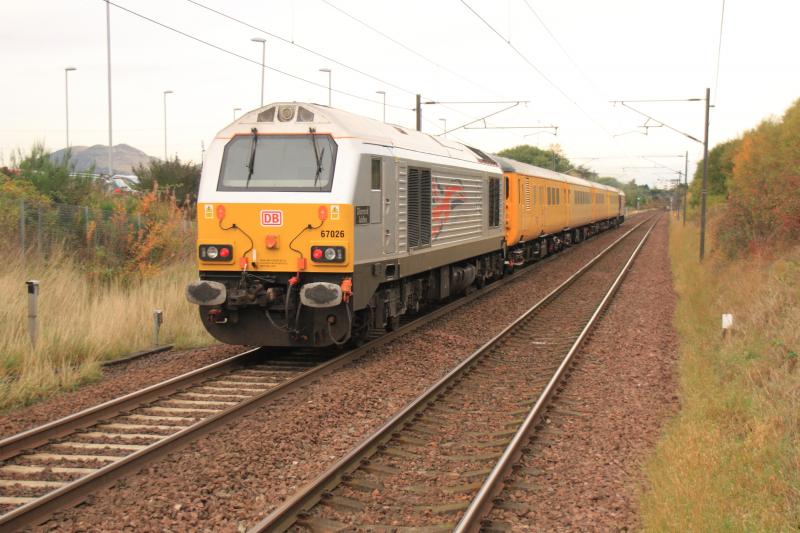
x=590, y=51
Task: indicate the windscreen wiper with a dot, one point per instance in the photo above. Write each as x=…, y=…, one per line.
x=252, y=163
x=317, y=154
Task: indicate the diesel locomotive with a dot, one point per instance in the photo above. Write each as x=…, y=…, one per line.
x=316, y=225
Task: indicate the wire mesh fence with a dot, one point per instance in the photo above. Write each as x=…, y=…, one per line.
x=81, y=231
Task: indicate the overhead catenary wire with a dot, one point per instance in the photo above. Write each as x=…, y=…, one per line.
x=561, y=47
x=245, y=58
x=536, y=69
x=719, y=51
x=279, y=71
x=301, y=47
x=408, y=48
x=328, y=58
x=416, y=53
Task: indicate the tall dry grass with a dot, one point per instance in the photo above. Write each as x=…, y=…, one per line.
x=83, y=323
x=730, y=460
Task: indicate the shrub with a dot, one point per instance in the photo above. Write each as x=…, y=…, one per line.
x=763, y=208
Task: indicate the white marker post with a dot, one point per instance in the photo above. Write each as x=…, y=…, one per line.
x=33, y=310
x=158, y=319
x=727, y=323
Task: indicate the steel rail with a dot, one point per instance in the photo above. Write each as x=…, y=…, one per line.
x=40, y=509
x=40, y=435
x=482, y=503
x=310, y=494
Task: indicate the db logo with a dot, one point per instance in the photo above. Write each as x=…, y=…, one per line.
x=271, y=218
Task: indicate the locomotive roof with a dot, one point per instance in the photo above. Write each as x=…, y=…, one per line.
x=512, y=165
x=342, y=124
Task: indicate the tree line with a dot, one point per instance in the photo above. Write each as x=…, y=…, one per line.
x=554, y=159
x=755, y=180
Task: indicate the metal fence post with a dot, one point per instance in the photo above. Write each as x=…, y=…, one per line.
x=33, y=310
x=158, y=319
x=22, y=225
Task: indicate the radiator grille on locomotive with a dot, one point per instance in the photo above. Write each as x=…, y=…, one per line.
x=419, y=207
x=494, y=202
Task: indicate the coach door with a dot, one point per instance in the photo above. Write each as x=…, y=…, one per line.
x=389, y=214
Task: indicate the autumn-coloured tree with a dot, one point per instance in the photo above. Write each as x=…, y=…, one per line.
x=720, y=171
x=763, y=208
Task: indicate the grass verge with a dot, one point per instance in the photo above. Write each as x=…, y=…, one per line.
x=730, y=459
x=81, y=324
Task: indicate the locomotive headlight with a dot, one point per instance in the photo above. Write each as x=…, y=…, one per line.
x=328, y=254
x=218, y=253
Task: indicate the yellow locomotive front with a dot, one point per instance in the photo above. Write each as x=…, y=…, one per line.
x=275, y=232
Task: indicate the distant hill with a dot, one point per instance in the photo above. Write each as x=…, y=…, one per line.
x=84, y=157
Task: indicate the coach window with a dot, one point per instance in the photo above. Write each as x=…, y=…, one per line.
x=377, y=169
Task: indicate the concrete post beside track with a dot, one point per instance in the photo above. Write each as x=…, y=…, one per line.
x=33, y=310
x=158, y=319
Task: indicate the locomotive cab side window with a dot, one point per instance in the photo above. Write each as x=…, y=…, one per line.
x=377, y=175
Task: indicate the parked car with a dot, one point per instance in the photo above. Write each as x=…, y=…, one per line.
x=122, y=184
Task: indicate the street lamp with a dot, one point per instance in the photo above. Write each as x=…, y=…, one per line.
x=384, y=103
x=108, y=56
x=263, y=62
x=329, y=83
x=235, y=109
x=444, y=127
x=165, y=123
x=67, y=70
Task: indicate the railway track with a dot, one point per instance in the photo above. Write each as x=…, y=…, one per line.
x=438, y=464
x=58, y=464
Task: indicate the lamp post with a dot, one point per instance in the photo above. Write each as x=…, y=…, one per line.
x=444, y=127
x=108, y=54
x=235, y=109
x=384, y=103
x=263, y=62
x=67, y=70
x=165, y=123
x=329, y=83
